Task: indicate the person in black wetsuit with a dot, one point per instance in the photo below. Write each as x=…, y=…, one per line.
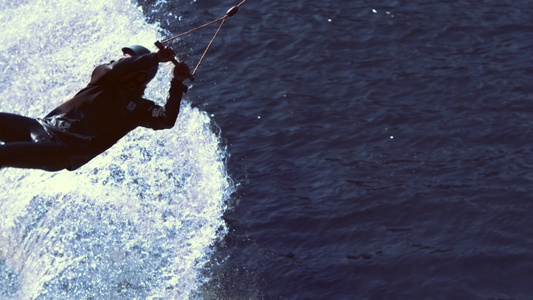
x=98, y=116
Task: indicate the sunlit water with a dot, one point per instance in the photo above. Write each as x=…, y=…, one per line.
x=137, y=222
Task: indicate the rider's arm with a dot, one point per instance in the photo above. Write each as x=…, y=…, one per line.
x=164, y=117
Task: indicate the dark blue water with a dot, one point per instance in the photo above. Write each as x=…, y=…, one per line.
x=382, y=150
x=379, y=150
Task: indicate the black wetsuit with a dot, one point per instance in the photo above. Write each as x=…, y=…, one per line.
x=89, y=123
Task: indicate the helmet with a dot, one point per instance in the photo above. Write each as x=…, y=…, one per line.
x=137, y=50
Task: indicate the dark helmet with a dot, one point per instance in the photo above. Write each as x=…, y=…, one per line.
x=137, y=50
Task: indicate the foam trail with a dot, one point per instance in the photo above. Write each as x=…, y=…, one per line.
x=136, y=222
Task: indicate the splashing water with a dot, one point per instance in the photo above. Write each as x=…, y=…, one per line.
x=137, y=222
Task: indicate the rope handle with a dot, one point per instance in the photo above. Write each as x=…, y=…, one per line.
x=230, y=13
x=159, y=45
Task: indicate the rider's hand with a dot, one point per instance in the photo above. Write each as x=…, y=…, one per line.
x=165, y=54
x=181, y=71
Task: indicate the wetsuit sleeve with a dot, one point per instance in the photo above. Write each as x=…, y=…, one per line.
x=164, y=117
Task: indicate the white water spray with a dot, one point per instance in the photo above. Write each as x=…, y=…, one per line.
x=136, y=222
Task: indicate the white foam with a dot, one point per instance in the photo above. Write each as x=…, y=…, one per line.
x=137, y=221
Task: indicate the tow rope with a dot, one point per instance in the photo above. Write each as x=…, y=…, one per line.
x=230, y=13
